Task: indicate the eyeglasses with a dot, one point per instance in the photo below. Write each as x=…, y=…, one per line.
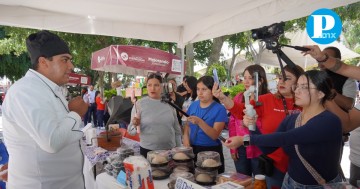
x=301, y=87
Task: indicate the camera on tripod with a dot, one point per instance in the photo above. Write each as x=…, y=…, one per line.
x=269, y=34
x=167, y=88
x=274, y=30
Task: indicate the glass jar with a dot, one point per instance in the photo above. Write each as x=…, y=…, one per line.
x=174, y=176
x=259, y=182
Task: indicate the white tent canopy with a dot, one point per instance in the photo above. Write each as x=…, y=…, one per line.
x=182, y=22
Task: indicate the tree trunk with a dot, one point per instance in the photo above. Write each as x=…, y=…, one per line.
x=256, y=55
x=190, y=59
x=233, y=58
x=113, y=77
x=216, y=50
x=261, y=50
x=101, y=81
x=170, y=49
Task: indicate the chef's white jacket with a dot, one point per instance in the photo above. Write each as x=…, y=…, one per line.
x=42, y=136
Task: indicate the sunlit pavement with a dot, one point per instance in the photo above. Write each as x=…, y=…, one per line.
x=345, y=161
x=229, y=164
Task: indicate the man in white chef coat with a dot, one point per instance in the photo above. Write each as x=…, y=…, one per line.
x=41, y=128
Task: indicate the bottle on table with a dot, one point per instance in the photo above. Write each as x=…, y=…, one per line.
x=260, y=182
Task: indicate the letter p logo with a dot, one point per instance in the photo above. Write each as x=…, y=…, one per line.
x=318, y=24
x=324, y=26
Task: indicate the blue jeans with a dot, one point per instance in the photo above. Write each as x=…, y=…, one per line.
x=276, y=180
x=244, y=165
x=289, y=183
x=354, y=175
x=4, y=159
x=100, y=118
x=91, y=112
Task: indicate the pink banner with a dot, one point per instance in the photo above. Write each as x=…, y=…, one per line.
x=135, y=60
x=77, y=79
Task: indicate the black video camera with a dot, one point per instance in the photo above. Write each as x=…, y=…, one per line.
x=167, y=88
x=272, y=31
x=270, y=35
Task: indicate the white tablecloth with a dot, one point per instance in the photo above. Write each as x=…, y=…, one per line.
x=105, y=181
x=90, y=159
x=88, y=174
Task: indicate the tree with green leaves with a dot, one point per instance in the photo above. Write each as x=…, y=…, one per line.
x=237, y=42
x=14, y=67
x=221, y=71
x=14, y=60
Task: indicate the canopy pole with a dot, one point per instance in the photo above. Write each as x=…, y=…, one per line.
x=182, y=62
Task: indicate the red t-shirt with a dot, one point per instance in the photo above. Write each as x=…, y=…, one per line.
x=99, y=105
x=272, y=113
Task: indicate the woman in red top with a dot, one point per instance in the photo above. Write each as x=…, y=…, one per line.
x=273, y=109
x=100, y=109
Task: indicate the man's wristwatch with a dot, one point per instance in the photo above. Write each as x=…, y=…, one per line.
x=246, y=140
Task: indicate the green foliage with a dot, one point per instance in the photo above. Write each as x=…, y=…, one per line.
x=14, y=67
x=349, y=12
x=221, y=71
x=234, y=90
x=109, y=93
x=202, y=50
x=239, y=40
x=144, y=91
x=112, y=92
x=13, y=40
x=2, y=33
x=350, y=16
x=197, y=75
x=168, y=47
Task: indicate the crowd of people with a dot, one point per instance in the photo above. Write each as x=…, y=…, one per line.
x=97, y=113
x=297, y=141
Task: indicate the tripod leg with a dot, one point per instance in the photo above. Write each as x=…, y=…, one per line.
x=281, y=66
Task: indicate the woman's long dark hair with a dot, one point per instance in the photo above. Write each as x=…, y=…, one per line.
x=156, y=76
x=208, y=81
x=263, y=88
x=322, y=82
x=191, y=82
x=96, y=93
x=297, y=71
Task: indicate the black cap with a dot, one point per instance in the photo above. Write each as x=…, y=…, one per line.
x=45, y=44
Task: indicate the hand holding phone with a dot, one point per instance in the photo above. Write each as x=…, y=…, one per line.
x=222, y=138
x=216, y=77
